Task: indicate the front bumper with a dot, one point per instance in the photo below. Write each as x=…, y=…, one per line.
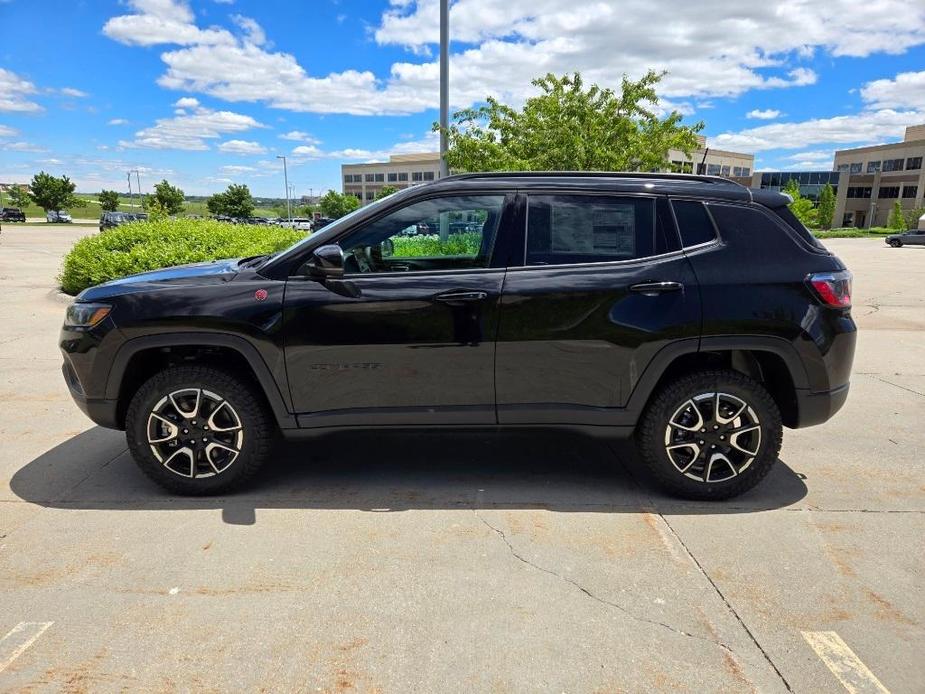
x=816, y=408
x=100, y=411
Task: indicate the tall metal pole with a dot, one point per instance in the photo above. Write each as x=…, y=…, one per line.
x=130, y=198
x=444, y=84
x=138, y=179
x=286, y=181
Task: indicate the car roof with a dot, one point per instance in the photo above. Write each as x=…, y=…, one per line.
x=686, y=185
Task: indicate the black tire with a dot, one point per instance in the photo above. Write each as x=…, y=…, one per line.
x=251, y=418
x=655, y=434
x=896, y=243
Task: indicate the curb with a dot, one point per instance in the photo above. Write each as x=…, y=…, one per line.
x=60, y=297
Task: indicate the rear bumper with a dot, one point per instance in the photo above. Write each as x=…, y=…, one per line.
x=816, y=408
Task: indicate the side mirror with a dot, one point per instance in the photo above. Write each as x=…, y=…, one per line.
x=326, y=263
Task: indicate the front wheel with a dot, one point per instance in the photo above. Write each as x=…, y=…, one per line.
x=710, y=435
x=896, y=243
x=198, y=430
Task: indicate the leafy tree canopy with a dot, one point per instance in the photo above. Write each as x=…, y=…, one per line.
x=568, y=127
x=335, y=205
x=19, y=196
x=109, y=200
x=52, y=193
x=169, y=199
x=385, y=191
x=897, y=219
x=826, y=209
x=235, y=202
x=801, y=207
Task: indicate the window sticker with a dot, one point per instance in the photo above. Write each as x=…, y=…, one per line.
x=594, y=229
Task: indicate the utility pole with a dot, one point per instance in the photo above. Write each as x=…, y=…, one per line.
x=444, y=84
x=129, y=176
x=286, y=180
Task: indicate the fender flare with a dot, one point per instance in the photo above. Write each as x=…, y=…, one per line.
x=779, y=346
x=265, y=379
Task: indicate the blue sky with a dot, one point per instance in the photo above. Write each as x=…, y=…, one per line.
x=208, y=92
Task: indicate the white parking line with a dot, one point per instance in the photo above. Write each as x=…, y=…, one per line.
x=844, y=664
x=15, y=643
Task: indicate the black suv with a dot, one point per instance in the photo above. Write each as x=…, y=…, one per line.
x=12, y=214
x=689, y=311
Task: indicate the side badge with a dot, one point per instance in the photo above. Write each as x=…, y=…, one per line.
x=261, y=294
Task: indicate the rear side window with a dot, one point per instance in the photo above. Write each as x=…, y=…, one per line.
x=694, y=222
x=565, y=229
x=752, y=223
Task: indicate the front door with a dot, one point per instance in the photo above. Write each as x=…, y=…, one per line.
x=602, y=288
x=409, y=336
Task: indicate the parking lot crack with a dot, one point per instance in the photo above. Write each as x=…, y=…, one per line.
x=654, y=622
x=895, y=385
x=728, y=604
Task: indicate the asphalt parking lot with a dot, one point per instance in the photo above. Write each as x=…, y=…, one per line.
x=396, y=563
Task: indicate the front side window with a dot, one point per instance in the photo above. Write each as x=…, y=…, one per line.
x=438, y=234
x=567, y=229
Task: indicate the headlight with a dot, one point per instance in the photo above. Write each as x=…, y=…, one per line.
x=80, y=315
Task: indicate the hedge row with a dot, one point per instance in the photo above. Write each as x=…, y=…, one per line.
x=144, y=246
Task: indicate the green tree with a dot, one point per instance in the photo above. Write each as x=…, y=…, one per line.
x=801, y=207
x=235, y=202
x=109, y=200
x=336, y=205
x=169, y=199
x=52, y=193
x=912, y=217
x=826, y=210
x=897, y=220
x=386, y=190
x=19, y=196
x=570, y=128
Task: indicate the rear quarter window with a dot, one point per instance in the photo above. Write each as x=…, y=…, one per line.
x=694, y=223
x=758, y=227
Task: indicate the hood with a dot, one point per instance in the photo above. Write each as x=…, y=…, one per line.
x=213, y=272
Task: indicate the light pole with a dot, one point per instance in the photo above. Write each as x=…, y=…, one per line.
x=444, y=83
x=130, y=198
x=286, y=180
x=138, y=179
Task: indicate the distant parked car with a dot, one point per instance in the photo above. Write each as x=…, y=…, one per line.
x=321, y=222
x=12, y=214
x=260, y=221
x=913, y=237
x=110, y=220
x=59, y=217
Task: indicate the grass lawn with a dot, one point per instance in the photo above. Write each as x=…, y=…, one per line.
x=853, y=233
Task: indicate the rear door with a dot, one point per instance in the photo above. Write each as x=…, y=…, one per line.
x=602, y=287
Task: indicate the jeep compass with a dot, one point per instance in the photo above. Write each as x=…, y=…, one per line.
x=690, y=312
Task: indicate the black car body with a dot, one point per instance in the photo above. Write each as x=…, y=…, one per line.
x=111, y=220
x=913, y=237
x=12, y=214
x=595, y=298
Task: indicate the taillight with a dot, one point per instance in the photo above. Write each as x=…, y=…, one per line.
x=833, y=288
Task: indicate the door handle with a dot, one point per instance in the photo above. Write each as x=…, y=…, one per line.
x=656, y=288
x=461, y=297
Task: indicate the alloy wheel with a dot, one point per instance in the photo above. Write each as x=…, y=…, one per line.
x=195, y=433
x=713, y=437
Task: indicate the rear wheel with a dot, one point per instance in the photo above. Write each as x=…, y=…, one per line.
x=198, y=430
x=710, y=435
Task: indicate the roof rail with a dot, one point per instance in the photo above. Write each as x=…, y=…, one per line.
x=689, y=178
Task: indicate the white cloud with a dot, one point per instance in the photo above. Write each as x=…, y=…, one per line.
x=7, y=131
x=242, y=147
x=72, y=92
x=21, y=147
x=308, y=151
x=190, y=132
x=765, y=114
x=162, y=21
x=710, y=52
x=815, y=155
x=117, y=121
x=186, y=102
x=906, y=90
x=236, y=169
x=863, y=128
x=299, y=136
x=14, y=93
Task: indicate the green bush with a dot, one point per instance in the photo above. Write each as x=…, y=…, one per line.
x=144, y=246
x=430, y=245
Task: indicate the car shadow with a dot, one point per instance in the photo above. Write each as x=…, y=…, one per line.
x=390, y=471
